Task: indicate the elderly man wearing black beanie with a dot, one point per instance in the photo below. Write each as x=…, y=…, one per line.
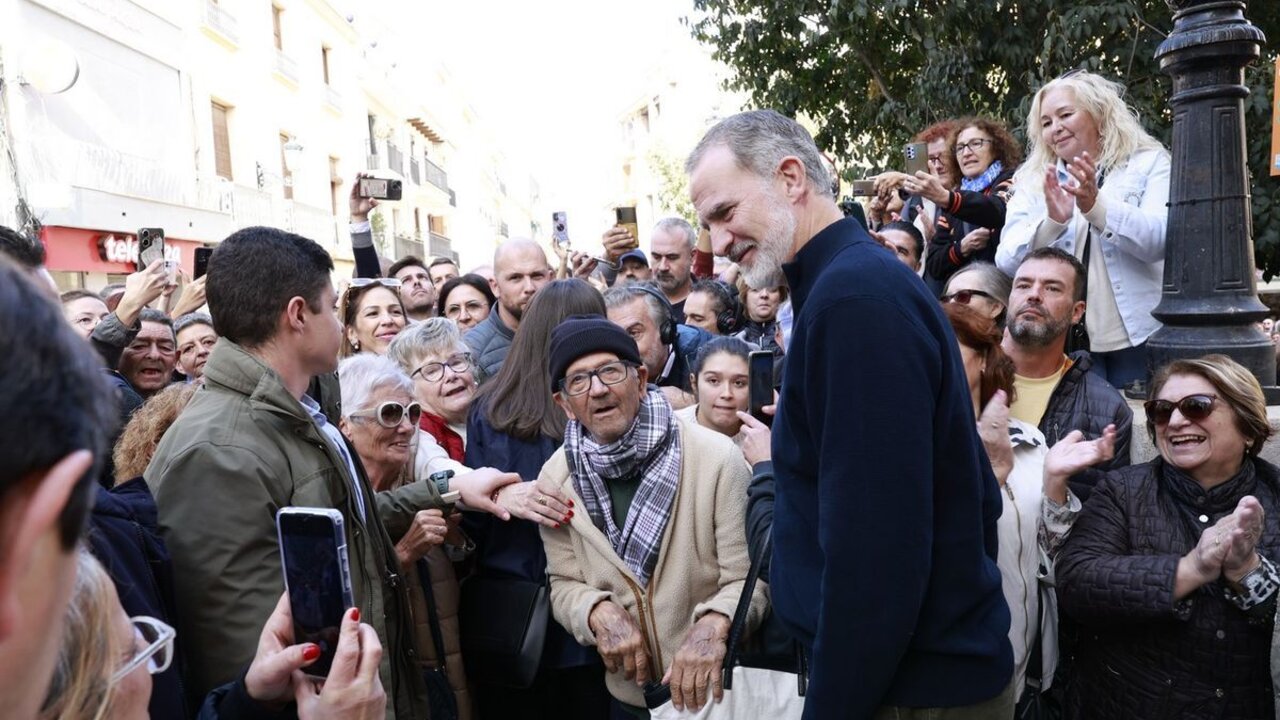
x=651, y=573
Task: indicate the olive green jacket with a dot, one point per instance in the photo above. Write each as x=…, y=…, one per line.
x=242, y=449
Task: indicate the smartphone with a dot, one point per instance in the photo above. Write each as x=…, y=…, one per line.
x=760, y=384
x=150, y=246
x=864, y=188
x=916, y=157
x=380, y=189
x=626, y=217
x=202, y=262
x=560, y=228
x=313, y=553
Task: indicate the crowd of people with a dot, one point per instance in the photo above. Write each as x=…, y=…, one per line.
x=556, y=503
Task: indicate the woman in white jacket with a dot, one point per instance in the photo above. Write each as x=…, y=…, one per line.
x=1096, y=185
x=1039, y=509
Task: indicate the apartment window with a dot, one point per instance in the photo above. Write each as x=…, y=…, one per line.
x=284, y=169
x=417, y=222
x=335, y=183
x=276, y=12
x=221, y=141
x=373, y=140
x=324, y=63
x=436, y=224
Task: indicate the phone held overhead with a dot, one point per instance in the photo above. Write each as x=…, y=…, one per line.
x=380, y=188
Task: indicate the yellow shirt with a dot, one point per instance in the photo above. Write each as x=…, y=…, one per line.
x=1032, y=395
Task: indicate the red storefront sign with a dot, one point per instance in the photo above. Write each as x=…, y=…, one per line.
x=81, y=250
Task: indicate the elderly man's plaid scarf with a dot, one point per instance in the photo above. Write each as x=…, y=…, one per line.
x=651, y=448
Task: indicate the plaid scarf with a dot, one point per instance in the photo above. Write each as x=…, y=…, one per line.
x=651, y=448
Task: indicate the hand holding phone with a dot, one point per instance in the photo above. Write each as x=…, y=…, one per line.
x=313, y=551
x=150, y=246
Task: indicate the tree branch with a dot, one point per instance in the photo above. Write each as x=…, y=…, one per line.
x=876, y=77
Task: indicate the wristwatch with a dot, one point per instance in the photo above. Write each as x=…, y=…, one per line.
x=441, y=480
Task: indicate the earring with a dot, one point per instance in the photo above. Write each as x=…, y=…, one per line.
x=355, y=344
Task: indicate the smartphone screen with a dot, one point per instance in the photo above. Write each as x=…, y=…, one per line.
x=760, y=384
x=202, y=262
x=150, y=246
x=560, y=228
x=314, y=553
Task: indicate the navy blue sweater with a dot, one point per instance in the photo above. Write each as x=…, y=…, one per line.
x=884, y=524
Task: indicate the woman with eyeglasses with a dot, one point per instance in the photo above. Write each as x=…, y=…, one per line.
x=372, y=315
x=968, y=228
x=107, y=659
x=1096, y=185
x=433, y=355
x=981, y=286
x=1170, y=568
x=466, y=300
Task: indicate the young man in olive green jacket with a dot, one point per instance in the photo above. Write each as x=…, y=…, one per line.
x=252, y=442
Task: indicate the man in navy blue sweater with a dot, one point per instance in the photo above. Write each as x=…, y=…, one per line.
x=884, y=527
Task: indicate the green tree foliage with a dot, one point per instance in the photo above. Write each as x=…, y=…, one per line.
x=871, y=73
x=673, y=186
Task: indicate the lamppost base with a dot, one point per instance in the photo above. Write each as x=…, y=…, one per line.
x=1245, y=344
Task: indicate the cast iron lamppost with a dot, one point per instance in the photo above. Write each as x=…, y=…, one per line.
x=1210, y=299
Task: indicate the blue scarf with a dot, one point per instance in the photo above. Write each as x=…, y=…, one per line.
x=983, y=181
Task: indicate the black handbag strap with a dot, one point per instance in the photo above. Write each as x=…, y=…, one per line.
x=433, y=617
x=737, y=629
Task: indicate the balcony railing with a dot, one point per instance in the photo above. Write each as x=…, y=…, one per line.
x=255, y=207
x=407, y=244
x=286, y=66
x=221, y=21
x=437, y=176
x=395, y=159
x=503, y=231
x=442, y=246
x=415, y=172
x=373, y=161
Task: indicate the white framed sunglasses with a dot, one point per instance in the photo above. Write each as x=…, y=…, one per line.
x=156, y=640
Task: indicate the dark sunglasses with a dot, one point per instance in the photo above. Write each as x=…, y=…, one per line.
x=964, y=296
x=1192, y=407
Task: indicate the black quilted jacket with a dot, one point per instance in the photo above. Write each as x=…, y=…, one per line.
x=1085, y=401
x=1138, y=657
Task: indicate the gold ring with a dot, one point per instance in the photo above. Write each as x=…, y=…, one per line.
x=542, y=500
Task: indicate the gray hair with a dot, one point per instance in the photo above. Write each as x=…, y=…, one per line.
x=191, y=318
x=153, y=315
x=759, y=141
x=364, y=373
x=431, y=336
x=991, y=279
x=679, y=226
x=620, y=295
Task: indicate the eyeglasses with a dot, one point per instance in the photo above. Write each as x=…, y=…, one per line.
x=431, y=372
x=609, y=374
x=1192, y=407
x=473, y=307
x=157, y=651
x=964, y=296
x=391, y=413
x=975, y=145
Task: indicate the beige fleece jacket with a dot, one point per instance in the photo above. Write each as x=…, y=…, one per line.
x=701, y=566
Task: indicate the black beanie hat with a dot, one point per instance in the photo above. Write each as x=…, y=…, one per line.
x=579, y=335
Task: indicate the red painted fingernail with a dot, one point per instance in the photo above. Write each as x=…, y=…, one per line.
x=570, y=503
x=310, y=652
x=355, y=614
x=557, y=526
